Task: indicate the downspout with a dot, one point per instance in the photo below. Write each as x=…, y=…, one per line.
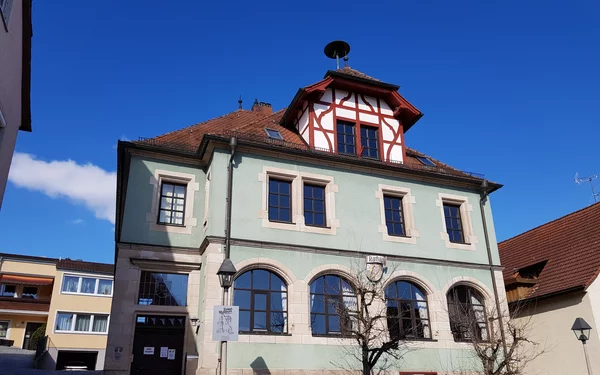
x=225, y=296
x=484, y=196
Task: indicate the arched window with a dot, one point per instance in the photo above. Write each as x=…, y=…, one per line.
x=468, y=320
x=407, y=313
x=332, y=304
x=262, y=298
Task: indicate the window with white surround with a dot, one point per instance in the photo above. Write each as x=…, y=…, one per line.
x=455, y=211
x=81, y=323
x=298, y=201
x=397, y=223
x=173, y=202
x=85, y=285
x=4, y=326
x=8, y=290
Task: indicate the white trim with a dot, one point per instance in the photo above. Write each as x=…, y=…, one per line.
x=189, y=221
x=23, y=312
x=7, y=337
x=408, y=200
x=298, y=179
x=74, y=320
x=465, y=216
x=81, y=276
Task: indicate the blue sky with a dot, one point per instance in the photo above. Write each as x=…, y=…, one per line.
x=509, y=89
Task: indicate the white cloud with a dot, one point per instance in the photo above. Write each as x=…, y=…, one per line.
x=84, y=184
x=77, y=221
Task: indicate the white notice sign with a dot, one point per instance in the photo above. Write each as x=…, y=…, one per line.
x=226, y=323
x=171, y=354
x=148, y=350
x=163, y=351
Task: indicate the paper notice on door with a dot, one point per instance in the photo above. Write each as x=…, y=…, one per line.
x=163, y=351
x=148, y=350
x=171, y=354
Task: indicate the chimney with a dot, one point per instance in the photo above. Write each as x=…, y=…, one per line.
x=262, y=107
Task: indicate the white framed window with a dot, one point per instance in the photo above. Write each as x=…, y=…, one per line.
x=4, y=329
x=291, y=197
x=8, y=290
x=86, y=285
x=180, y=205
x=396, y=214
x=455, y=213
x=81, y=322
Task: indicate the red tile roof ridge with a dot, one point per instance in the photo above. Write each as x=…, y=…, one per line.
x=275, y=124
x=355, y=73
x=548, y=223
x=200, y=123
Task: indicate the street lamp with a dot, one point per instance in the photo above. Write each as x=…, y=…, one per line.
x=582, y=329
x=225, y=273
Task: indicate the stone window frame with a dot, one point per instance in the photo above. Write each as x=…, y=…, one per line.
x=298, y=179
x=192, y=186
x=408, y=200
x=465, y=213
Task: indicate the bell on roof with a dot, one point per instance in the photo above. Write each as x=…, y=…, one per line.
x=337, y=49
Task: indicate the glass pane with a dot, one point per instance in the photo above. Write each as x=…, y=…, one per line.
x=260, y=301
x=64, y=322
x=165, y=289
x=243, y=281
x=241, y=298
x=276, y=283
x=30, y=292
x=82, y=323
x=405, y=308
x=3, y=329
x=319, y=220
x=309, y=218
x=70, y=284
x=390, y=227
x=317, y=304
x=166, y=202
x=408, y=328
x=273, y=213
x=284, y=215
x=260, y=321
x=317, y=324
x=421, y=310
x=332, y=306
x=244, y=321
x=319, y=207
x=398, y=230
x=308, y=204
x=105, y=287
x=390, y=291
x=334, y=324
x=167, y=189
x=260, y=279
x=278, y=322
x=178, y=205
x=180, y=191
x=273, y=186
x=319, y=192
x=88, y=285
x=284, y=188
x=278, y=301
x=424, y=329
x=418, y=294
x=100, y=323
x=317, y=286
x=403, y=290
x=308, y=191
x=273, y=200
x=332, y=285
x=284, y=201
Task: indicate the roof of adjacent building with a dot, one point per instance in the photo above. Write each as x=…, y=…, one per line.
x=80, y=265
x=570, y=245
x=27, y=257
x=252, y=124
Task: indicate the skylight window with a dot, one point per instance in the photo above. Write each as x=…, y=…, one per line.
x=426, y=161
x=274, y=134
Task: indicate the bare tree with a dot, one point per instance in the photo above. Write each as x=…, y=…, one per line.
x=363, y=318
x=490, y=355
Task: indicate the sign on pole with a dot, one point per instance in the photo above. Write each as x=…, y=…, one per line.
x=226, y=323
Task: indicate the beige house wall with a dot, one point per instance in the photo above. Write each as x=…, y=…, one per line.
x=18, y=322
x=25, y=267
x=125, y=307
x=548, y=323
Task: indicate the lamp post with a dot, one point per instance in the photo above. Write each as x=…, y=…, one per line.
x=582, y=329
x=225, y=273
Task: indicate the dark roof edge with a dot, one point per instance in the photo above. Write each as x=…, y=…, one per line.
x=28, y=257
x=292, y=105
x=366, y=163
x=547, y=223
x=388, y=86
x=26, y=68
x=578, y=288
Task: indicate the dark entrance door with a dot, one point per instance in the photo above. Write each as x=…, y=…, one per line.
x=29, y=330
x=158, y=345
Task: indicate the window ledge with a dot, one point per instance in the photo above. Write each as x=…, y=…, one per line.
x=264, y=334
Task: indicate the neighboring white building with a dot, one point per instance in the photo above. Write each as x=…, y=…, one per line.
x=551, y=279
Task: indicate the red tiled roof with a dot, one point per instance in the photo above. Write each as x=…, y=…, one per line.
x=355, y=73
x=253, y=124
x=570, y=244
x=80, y=265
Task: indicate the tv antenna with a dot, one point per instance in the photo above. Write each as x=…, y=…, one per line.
x=337, y=49
x=589, y=179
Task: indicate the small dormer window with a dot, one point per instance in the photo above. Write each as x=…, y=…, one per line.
x=274, y=134
x=425, y=161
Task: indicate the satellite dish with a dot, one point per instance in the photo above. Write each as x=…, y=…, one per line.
x=337, y=49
